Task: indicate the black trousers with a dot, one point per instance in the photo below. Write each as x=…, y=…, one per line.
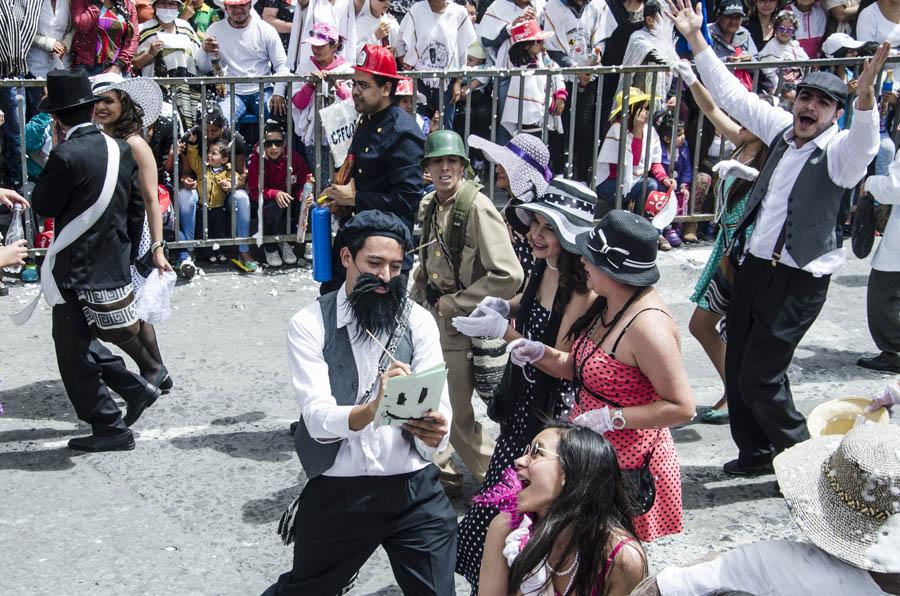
x=81, y=374
x=275, y=219
x=883, y=309
x=770, y=311
x=341, y=521
x=115, y=373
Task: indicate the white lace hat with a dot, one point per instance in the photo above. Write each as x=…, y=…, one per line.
x=526, y=161
x=142, y=91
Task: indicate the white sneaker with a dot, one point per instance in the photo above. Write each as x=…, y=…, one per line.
x=187, y=268
x=287, y=253
x=272, y=258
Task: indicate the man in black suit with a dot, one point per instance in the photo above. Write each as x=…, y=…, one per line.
x=89, y=186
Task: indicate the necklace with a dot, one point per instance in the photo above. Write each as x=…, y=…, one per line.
x=570, y=572
x=552, y=266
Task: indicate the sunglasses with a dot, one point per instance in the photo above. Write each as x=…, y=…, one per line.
x=789, y=30
x=534, y=450
x=273, y=143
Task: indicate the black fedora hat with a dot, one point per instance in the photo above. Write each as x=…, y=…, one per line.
x=67, y=89
x=623, y=245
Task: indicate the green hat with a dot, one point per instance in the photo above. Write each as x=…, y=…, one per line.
x=441, y=143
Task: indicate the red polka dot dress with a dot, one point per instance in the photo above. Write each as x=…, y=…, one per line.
x=626, y=385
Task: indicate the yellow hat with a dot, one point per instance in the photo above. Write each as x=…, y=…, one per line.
x=837, y=417
x=635, y=96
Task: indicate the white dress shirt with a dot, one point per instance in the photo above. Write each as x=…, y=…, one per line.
x=849, y=153
x=371, y=451
x=886, y=190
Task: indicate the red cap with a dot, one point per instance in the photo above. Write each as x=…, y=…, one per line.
x=528, y=31
x=233, y=2
x=379, y=61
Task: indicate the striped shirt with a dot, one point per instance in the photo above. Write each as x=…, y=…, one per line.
x=18, y=24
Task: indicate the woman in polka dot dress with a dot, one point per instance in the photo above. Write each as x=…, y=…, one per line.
x=555, y=296
x=626, y=362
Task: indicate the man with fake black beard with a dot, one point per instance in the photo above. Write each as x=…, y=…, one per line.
x=367, y=486
x=786, y=264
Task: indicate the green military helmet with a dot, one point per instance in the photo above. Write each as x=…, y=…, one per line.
x=442, y=143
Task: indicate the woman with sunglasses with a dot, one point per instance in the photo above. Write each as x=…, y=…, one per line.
x=278, y=193
x=561, y=531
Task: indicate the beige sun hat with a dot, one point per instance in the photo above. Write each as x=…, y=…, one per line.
x=837, y=417
x=844, y=493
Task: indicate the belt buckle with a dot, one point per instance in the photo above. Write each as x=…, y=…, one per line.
x=775, y=258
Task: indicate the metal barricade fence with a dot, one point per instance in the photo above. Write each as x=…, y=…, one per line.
x=174, y=86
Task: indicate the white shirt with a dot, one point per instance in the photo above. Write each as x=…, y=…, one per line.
x=886, y=190
x=533, y=90
x=580, y=38
x=367, y=23
x=811, y=29
x=370, y=451
x=252, y=51
x=436, y=41
x=849, y=153
x=871, y=25
x=499, y=16
x=770, y=568
x=52, y=27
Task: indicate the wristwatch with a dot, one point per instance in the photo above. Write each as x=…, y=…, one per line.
x=617, y=419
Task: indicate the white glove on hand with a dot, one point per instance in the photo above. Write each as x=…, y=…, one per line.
x=493, y=303
x=483, y=322
x=684, y=70
x=524, y=351
x=890, y=397
x=597, y=420
x=732, y=167
x=514, y=542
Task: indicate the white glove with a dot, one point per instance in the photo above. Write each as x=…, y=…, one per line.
x=732, y=167
x=514, y=540
x=684, y=70
x=597, y=420
x=493, y=303
x=536, y=583
x=524, y=351
x=890, y=397
x=484, y=322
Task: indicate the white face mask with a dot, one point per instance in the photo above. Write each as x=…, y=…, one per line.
x=166, y=15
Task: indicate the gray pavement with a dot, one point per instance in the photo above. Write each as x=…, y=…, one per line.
x=193, y=510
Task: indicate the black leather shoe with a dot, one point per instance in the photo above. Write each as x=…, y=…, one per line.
x=167, y=384
x=161, y=380
x=884, y=362
x=736, y=468
x=137, y=406
x=121, y=442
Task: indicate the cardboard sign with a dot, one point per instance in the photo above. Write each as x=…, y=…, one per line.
x=410, y=397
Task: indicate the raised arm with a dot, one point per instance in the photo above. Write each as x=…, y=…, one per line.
x=725, y=125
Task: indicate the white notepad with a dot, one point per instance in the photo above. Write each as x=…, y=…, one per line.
x=411, y=396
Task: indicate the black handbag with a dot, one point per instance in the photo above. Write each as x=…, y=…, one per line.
x=862, y=237
x=641, y=483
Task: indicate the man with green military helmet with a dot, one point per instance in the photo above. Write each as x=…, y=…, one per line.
x=465, y=256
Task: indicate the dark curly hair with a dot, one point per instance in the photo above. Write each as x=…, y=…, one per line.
x=131, y=120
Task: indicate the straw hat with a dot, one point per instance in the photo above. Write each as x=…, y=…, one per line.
x=526, y=160
x=844, y=493
x=142, y=91
x=635, y=96
x=837, y=417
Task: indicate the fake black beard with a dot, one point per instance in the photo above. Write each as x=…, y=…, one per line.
x=376, y=312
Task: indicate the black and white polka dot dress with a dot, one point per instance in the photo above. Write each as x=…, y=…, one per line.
x=510, y=444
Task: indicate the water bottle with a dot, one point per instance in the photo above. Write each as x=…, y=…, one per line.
x=305, y=194
x=884, y=109
x=321, y=244
x=15, y=233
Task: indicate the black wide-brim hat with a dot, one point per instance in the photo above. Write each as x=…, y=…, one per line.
x=67, y=89
x=568, y=207
x=622, y=245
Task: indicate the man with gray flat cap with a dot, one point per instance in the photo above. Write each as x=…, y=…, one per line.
x=785, y=266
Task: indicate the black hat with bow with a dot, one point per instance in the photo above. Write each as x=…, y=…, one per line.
x=623, y=245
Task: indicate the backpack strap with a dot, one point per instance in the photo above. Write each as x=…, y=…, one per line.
x=465, y=197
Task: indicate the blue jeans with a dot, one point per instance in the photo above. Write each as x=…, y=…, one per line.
x=247, y=104
x=238, y=201
x=606, y=195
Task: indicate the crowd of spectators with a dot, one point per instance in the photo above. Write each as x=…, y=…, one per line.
x=251, y=38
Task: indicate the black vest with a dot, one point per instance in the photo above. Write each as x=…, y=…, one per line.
x=813, y=209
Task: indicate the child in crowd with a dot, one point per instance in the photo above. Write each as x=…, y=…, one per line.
x=683, y=174
x=527, y=93
x=218, y=186
x=325, y=60
x=811, y=22
x=639, y=134
x=278, y=193
x=783, y=47
x=407, y=98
